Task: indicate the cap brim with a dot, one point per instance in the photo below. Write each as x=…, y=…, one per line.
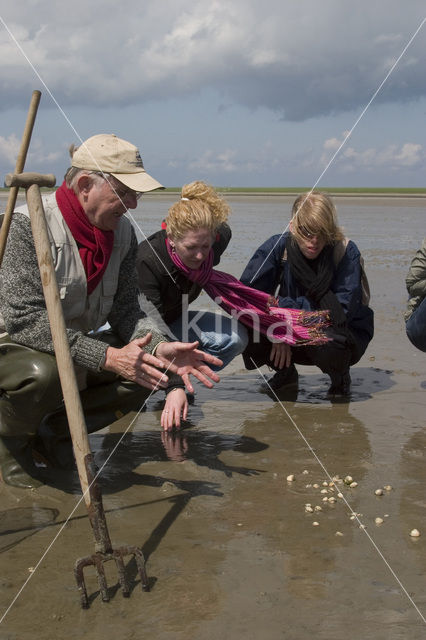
x=140, y=181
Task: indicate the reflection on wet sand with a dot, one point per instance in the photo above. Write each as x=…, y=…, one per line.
x=19, y=523
x=341, y=445
x=412, y=497
x=203, y=448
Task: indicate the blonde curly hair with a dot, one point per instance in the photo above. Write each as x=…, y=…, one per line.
x=315, y=214
x=200, y=207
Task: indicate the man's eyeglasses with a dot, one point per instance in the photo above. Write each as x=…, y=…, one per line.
x=119, y=189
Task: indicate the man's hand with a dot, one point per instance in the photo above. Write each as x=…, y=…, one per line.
x=280, y=355
x=185, y=359
x=133, y=363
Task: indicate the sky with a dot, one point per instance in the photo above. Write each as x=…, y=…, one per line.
x=279, y=93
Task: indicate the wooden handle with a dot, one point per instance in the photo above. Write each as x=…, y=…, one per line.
x=20, y=163
x=75, y=415
x=27, y=179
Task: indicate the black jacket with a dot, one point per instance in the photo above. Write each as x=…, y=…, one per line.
x=161, y=281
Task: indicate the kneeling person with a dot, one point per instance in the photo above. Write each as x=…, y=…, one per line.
x=94, y=252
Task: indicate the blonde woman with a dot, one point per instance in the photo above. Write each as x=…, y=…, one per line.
x=196, y=224
x=313, y=267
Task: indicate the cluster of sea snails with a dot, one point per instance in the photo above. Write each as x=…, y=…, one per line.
x=331, y=491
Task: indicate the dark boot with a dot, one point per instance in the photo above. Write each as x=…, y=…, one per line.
x=53, y=444
x=340, y=385
x=29, y=388
x=283, y=384
x=17, y=466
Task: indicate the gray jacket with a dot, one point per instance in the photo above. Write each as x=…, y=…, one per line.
x=22, y=302
x=416, y=280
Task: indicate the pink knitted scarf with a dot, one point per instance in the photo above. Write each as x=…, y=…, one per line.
x=255, y=308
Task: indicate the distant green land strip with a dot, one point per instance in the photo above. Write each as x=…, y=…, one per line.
x=293, y=191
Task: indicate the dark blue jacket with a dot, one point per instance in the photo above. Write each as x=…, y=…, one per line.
x=266, y=270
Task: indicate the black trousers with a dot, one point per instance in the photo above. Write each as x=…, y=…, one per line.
x=335, y=357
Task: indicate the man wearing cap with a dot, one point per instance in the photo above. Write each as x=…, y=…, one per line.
x=94, y=251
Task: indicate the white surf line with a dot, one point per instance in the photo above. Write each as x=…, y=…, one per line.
x=18, y=45
x=352, y=512
x=48, y=548
x=347, y=136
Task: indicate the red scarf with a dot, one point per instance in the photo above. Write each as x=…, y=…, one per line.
x=94, y=245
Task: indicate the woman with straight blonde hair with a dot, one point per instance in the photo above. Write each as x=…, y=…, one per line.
x=313, y=266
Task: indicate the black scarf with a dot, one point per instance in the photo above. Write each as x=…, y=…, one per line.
x=315, y=276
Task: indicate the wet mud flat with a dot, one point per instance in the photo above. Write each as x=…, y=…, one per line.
x=231, y=549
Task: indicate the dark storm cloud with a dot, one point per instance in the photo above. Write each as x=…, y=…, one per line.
x=302, y=60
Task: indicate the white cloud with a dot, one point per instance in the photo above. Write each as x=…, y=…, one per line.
x=202, y=86
x=212, y=162
x=391, y=157
x=299, y=59
x=229, y=164
x=410, y=155
x=38, y=157
x=9, y=148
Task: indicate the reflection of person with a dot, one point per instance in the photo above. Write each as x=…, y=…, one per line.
x=205, y=448
x=313, y=266
x=195, y=225
x=94, y=251
x=415, y=316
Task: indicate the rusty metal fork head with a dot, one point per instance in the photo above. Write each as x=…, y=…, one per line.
x=98, y=560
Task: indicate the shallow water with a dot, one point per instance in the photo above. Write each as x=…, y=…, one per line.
x=230, y=550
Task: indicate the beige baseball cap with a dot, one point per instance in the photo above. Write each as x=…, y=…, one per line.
x=105, y=152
